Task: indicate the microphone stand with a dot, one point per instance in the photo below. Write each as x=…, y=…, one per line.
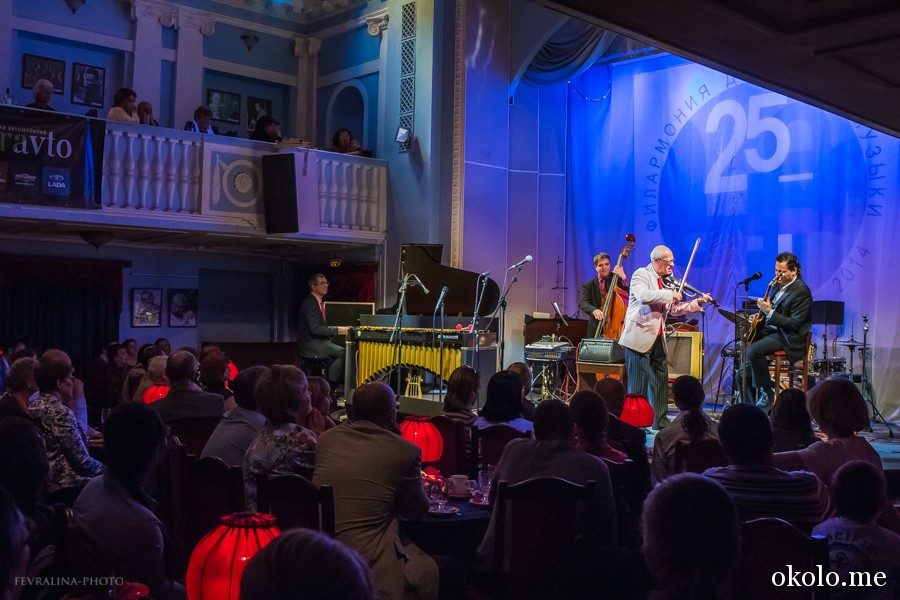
x=396, y=334
x=473, y=326
x=742, y=342
x=866, y=385
x=501, y=306
x=440, y=368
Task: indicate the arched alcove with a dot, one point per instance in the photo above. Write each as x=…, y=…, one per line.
x=348, y=109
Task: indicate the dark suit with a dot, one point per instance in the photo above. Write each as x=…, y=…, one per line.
x=589, y=300
x=786, y=329
x=314, y=338
x=187, y=401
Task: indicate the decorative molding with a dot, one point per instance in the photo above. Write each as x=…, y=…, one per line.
x=347, y=26
x=71, y=33
x=307, y=47
x=252, y=72
x=355, y=72
x=377, y=24
x=459, y=115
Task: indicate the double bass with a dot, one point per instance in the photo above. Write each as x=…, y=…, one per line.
x=610, y=326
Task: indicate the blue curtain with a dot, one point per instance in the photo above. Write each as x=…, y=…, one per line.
x=572, y=49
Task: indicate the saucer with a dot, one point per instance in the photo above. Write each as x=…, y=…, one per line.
x=447, y=510
x=479, y=501
x=460, y=496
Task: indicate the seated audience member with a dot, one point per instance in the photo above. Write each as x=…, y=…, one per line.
x=632, y=440
x=462, y=394
x=185, y=399
x=503, y=403
x=320, y=402
x=791, y=423
x=155, y=386
x=856, y=543
x=758, y=488
x=145, y=114
x=164, y=345
x=524, y=372
x=302, y=563
x=214, y=376
x=124, y=107
x=132, y=352
x=691, y=425
x=267, y=130
x=70, y=463
x=201, y=122
x=281, y=446
x=20, y=387
x=376, y=477
x=14, y=549
x=115, y=375
x=234, y=433
x=691, y=538
x=42, y=92
x=342, y=141
x=115, y=511
x=553, y=454
x=138, y=379
x=591, y=420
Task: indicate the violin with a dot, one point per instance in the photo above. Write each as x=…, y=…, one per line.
x=673, y=284
x=614, y=308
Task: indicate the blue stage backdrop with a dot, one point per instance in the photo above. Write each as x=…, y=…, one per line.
x=677, y=152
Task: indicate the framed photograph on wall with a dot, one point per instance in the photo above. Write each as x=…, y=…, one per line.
x=225, y=106
x=146, y=307
x=88, y=85
x=35, y=68
x=257, y=107
x=182, y=308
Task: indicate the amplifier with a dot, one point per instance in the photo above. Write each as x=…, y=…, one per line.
x=537, y=354
x=601, y=351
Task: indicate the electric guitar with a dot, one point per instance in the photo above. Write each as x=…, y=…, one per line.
x=758, y=322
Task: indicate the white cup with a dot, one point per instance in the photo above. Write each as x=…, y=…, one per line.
x=460, y=485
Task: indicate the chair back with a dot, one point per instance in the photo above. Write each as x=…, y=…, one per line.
x=798, y=370
x=171, y=490
x=455, y=458
x=545, y=538
x=216, y=489
x=488, y=443
x=771, y=545
x=193, y=433
x=696, y=457
x=296, y=502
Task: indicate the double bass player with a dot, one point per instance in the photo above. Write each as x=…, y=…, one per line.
x=593, y=295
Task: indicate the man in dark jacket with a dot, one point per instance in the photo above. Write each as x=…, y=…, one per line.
x=314, y=334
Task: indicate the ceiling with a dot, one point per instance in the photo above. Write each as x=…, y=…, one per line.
x=840, y=55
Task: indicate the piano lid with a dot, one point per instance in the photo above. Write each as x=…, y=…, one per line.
x=424, y=260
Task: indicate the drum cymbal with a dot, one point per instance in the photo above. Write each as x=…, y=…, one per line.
x=850, y=342
x=732, y=317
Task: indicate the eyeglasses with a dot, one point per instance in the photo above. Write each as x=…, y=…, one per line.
x=668, y=261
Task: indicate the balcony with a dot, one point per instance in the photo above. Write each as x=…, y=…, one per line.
x=164, y=186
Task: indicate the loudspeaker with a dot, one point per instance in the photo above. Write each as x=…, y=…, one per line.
x=685, y=355
x=290, y=198
x=600, y=351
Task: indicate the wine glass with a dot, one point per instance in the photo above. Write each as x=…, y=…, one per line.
x=439, y=494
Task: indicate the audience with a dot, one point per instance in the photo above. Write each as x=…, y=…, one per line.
x=302, y=563
x=758, y=488
x=185, y=399
x=463, y=386
x=267, y=130
x=281, y=446
x=342, y=141
x=138, y=379
x=201, y=122
x=42, y=92
x=503, y=404
x=690, y=426
x=20, y=387
x=115, y=511
x=691, y=538
x=14, y=550
x=214, y=375
x=164, y=345
x=320, y=402
x=70, y=463
x=632, y=440
x=124, y=107
x=591, y=420
x=791, y=423
x=145, y=114
x=524, y=372
x=155, y=386
x=856, y=543
x=376, y=477
x=237, y=429
x=132, y=355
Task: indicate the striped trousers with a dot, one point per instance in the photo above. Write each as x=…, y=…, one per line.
x=648, y=375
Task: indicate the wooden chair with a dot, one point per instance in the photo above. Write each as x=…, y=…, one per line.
x=488, y=443
x=769, y=545
x=798, y=370
x=171, y=490
x=296, y=502
x=454, y=459
x=215, y=489
x=696, y=457
x=193, y=433
x=545, y=536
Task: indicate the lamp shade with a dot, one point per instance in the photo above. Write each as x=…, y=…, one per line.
x=422, y=432
x=155, y=392
x=637, y=411
x=217, y=563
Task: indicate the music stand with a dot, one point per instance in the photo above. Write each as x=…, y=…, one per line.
x=827, y=312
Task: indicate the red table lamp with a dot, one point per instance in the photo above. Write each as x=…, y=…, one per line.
x=155, y=392
x=217, y=563
x=637, y=411
x=422, y=432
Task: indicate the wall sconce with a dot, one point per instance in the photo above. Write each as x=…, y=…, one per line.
x=96, y=238
x=74, y=5
x=402, y=135
x=249, y=40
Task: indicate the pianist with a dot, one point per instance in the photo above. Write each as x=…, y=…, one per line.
x=314, y=334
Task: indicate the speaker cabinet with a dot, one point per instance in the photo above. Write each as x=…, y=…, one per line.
x=685, y=356
x=289, y=195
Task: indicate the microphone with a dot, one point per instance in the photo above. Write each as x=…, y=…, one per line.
x=753, y=277
x=425, y=289
x=528, y=258
x=485, y=274
x=440, y=301
x=559, y=313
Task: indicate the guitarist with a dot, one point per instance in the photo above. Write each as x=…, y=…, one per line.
x=593, y=293
x=787, y=320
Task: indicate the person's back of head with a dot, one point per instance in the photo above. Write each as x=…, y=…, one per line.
x=746, y=435
x=504, y=398
x=23, y=460
x=687, y=391
x=838, y=407
x=147, y=353
x=20, y=377
x=244, y=386
x=590, y=414
x=462, y=386
x=282, y=395
x=53, y=367
x=156, y=370
x=375, y=402
x=14, y=551
x=789, y=411
x=691, y=534
x=302, y=563
x=553, y=421
x=524, y=373
x=319, y=394
x=859, y=491
x=613, y=393
x=181, y=367
x=213, y=370
x=133, y=436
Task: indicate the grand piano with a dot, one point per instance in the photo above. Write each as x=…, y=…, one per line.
x=419, y=342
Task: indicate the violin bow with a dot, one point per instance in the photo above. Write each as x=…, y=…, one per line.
x=687, y=269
